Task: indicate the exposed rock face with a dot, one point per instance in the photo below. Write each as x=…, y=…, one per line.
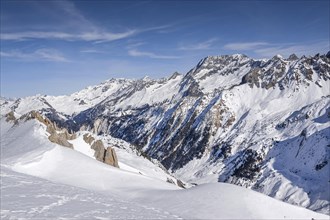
x=101, y=154
x=111, y=157
x=180, y=184
x=88, y=138
x=10, y=117
x=58, y=136
x=99, y=150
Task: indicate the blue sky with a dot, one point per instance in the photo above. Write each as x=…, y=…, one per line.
x=59, y=47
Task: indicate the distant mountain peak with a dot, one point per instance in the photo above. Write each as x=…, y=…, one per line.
x=277, y=57
x=293, y=57
x=174, y=75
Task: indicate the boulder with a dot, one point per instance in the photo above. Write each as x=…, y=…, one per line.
x=110, y=157
x=99, y=150
x=101, y=154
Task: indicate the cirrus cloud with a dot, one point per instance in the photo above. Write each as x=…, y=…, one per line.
x=45, y=54
x=205, y=45
x=137, y=53
x=86, y=36
x=266, y=49
x=245, y=45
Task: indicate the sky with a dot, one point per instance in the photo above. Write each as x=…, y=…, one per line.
x=60, y=47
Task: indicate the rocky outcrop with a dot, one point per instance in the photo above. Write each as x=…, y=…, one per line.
x=57, y=135
x=180, y=184
x=88, y=139
x=60, y=138
x=10, y=117
x=110, y=157
x=98, y=147
x=107, y=156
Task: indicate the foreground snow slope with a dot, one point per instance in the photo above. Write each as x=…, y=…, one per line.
x=27, y=197
x=129, y=158
x=25, y=148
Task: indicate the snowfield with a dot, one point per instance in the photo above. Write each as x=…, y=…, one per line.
x=40, y=179
x=27, y=197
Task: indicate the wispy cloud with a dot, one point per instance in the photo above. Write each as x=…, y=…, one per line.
x=137, y=53
x=299, y=49
x=97, y=37
x=92, y=51
x=45, y=54
x=245, y=45
x=266, y=49
x=73, y=15
x=134, y=45
x=75, y=27
x=205, y=45
x=93, y=36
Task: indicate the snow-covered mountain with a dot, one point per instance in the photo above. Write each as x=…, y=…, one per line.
x=262, y=124
x=42, y=180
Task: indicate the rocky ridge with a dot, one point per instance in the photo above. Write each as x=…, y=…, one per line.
x=105, y=155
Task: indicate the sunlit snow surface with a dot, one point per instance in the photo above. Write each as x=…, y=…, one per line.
x=24, y=196
x=94, y=190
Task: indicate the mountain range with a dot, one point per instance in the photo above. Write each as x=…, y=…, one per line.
x=263, y=124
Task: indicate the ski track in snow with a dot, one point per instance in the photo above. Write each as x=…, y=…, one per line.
x=28, y=197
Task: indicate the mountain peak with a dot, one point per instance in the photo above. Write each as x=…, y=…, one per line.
x=277, y=57
x=174, y=75
x=146, y=78
x=293, y=57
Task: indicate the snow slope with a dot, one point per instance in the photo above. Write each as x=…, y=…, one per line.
x=27, y=197
x=115, y=192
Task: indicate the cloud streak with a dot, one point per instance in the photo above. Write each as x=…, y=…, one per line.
x=97, y=37
x=78, y=28
x=299, y=49
x=40, y=54
x=92, y=51
x=266, y=49
x=245, y=45
x=137, y=53
x=205, y=45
